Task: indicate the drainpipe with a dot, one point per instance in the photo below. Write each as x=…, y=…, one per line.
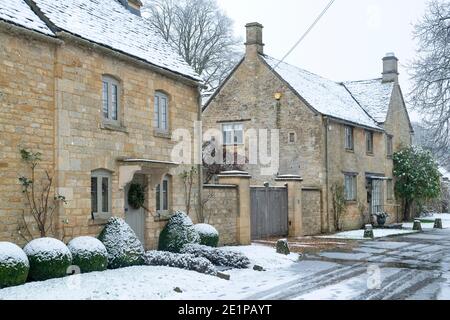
x=200, y=142
x=327, y=170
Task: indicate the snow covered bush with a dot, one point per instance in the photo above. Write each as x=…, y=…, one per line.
x=89, y=254
x=123, y=247
x=178, y=232
x=181, y=261
x=49, y=258
x=219, y=257
x=14, y=265
x=209, y=236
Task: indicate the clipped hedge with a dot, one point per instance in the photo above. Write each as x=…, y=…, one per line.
x=219, y=257
x=209, y=236
x=123, y=247
x=14, y=265
x=181, y=261
x=178, y=232
x=89, y=254
x=49, y=258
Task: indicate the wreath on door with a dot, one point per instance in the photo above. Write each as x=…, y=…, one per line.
x=136, y=196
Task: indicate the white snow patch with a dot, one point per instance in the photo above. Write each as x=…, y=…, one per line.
x=47, y=249
x=87, y=245
x=11, y=254
x=359, y=234
x=206, y=229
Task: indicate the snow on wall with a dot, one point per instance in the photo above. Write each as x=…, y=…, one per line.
x=373, y=95
x=110, y=24
x=326, y=96
x=19, y=13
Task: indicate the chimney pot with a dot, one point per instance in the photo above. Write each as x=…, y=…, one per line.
x=390, y=68
x=254, y=43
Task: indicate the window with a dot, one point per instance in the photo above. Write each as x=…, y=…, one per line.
x=369, y=142
x=101, y=194
x=292, y=137
x=162, y=196
x=390, y=146
x=233, y=133
x=350, y=186
x=161, y=117
x=349, y=145
x=111, y=98
x=390, y=189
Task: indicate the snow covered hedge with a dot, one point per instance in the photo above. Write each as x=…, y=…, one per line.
x=181, y=261
x=89, y=254
x=209, y=236
x=219, y=257
x=49, y=258
x=178, y=232
x=123, y=247
x=14, y=265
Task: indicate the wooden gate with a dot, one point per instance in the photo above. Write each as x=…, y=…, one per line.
x=269, y=214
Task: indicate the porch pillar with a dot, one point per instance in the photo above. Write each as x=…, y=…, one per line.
x=294, y=186
x=242, y=180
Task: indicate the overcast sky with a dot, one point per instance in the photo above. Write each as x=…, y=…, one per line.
x=347, y=44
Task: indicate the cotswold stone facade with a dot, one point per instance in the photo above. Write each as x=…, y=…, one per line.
x=262, y=93
x=52, y=100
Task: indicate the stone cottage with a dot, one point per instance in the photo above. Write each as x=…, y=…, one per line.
x=94, y=88
x=338, y=137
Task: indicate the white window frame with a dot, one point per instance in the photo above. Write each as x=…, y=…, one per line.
x=161, y=194
x=349, y=139
x=370, y=149
x=351, y=180
x=108, y=116
x=99, y=212
x=159, y=111
x=236, y=139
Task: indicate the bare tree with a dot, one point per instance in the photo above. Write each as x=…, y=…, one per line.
x=431, y=74
x=200, y=32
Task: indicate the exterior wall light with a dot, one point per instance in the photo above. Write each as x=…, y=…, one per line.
x=277, y=96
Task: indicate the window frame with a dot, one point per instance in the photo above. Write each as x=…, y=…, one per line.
x=370, y=148
x=234, y=136
x=349, y=131
x=99, y=175
x=158, y=194
x=110, y=82
x=292, y=134
x=389, y=146
x=353, y=197
x=157, y=115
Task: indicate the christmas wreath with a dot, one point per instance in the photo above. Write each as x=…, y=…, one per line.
x=136, y=196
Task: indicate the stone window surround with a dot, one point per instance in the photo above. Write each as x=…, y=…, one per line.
x=161, y=132
x=292, y=134
x=109, y=122
x=369, y=135
x=354, y=177
x=99, y=175
x=349, y=138
x=162, y=214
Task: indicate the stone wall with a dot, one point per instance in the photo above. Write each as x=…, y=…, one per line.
x=222, y=211
x=311, y=211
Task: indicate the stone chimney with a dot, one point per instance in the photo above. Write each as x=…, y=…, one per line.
x=134, y=6
x=390, y=68
x=254, y=43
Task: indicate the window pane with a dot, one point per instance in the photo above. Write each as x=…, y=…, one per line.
x=105, y=195
x=105, y=100
x=158, y=198
x=114, y=102
x=238, y=137
x=165, y=195
x=94, y=195
x=163, y=108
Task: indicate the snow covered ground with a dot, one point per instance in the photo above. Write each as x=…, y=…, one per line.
x=429, y=225
x=359, y=234
x=160, y=282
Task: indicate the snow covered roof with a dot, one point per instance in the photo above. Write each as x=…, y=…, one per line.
x=445, y=174
x=325, y=96
x=373, y=95
x=19, y=13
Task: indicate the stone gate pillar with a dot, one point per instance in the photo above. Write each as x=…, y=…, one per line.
x=242, y=180
x=294, y=186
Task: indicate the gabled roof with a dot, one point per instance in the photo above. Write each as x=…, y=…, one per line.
x=19, y=13
x=104, y=22
x=325, y=96
x=373, y=95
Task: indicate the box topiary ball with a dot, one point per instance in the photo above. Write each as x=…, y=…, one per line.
x=209, y=236
x=178, y=232
x=89, y=254
x=49, y=258
x=14, y=265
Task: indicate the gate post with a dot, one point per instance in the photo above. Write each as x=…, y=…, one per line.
x=294, y=186
x=242, y=180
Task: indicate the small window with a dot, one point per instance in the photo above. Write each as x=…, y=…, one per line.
x=350, y=187
x=111, y=98
x=369, y=142
x=390, y=146
x=101, y=194
x=163, y=196
x=233, y=134
x=349, y=145
x=161, y=112
x=292, y=137
x=390, y=189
